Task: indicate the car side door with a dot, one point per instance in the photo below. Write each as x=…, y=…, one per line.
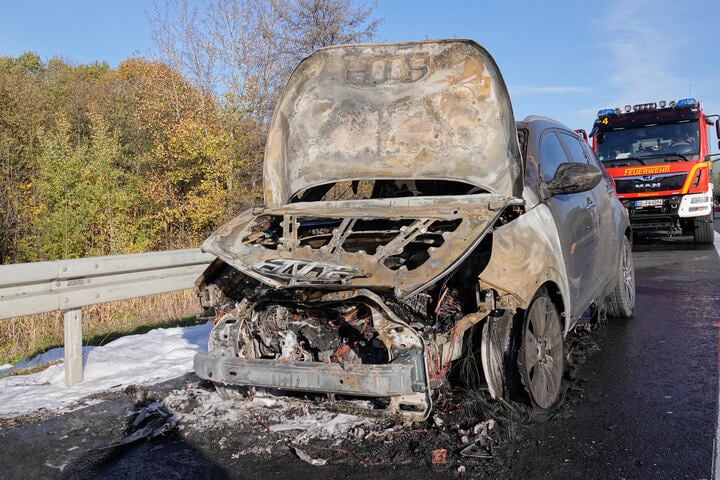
x=609, y=232
x=575, y=215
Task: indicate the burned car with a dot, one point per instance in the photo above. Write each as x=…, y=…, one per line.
x=412, y=236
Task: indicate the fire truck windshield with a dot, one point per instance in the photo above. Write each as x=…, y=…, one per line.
x=649, y=144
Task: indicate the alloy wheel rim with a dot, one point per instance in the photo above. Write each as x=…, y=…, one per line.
x=543, y=352
x=628, y=275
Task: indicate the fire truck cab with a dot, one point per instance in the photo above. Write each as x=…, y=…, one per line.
x=659, y=157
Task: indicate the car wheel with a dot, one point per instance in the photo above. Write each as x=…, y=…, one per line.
x=492, y=360
x=541, y=356
x=704, y=233
x=622, y=300
x=496, y=348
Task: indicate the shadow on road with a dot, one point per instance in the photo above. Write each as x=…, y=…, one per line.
x=664, y=244
x=104, y=440
x=171, y=457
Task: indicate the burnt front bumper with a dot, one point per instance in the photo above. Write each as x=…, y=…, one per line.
x=403, y=382
x=382, y=380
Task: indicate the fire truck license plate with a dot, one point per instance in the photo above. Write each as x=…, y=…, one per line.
x=649, y=203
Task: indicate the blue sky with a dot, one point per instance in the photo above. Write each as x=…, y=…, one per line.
x=563, y=59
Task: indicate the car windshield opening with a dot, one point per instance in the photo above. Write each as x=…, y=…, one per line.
x=392, y=188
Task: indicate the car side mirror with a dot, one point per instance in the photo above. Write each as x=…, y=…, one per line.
x=574, y=177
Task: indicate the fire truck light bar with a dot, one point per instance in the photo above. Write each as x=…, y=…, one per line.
x=686, y=102
x=645, y=107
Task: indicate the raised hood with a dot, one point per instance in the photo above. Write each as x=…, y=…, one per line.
x=424, y=110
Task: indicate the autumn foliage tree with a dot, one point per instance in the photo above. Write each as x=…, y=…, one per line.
x=243, y=51
x=82, y=201
x=97, y=161
x=155, y=154
x=21, y=117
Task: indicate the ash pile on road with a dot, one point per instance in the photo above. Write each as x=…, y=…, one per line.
x=267, y=427
x=466, y=432
x=189, y=424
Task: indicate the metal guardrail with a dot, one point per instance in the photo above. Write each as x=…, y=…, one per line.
x=68, y=285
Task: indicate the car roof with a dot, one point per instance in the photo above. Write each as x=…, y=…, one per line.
x=541, y=122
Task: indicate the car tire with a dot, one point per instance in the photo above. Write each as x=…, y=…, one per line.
x=704, y=232
x=541, y=352
x=495, y=349
x=621, y=301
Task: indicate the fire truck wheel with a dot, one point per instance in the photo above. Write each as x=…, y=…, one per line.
x=622, y=300
x=704, y=232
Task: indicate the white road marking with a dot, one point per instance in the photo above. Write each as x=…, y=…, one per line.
x=716, y=441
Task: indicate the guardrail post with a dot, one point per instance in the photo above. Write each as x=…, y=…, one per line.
x=73, y=346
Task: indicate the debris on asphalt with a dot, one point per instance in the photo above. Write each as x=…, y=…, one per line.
x=150, y=422
x=477, y=450
x=318, y=462
x=467, y=432
x=439, y=456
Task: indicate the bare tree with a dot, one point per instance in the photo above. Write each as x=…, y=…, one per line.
x=180, y=33
x=307, y=25
x=244, y=50
x=244, y=32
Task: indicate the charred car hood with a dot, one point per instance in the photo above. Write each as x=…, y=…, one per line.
x=400, y=245
x=426, y=110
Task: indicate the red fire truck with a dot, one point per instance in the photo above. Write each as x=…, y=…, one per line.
x=659, y=157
